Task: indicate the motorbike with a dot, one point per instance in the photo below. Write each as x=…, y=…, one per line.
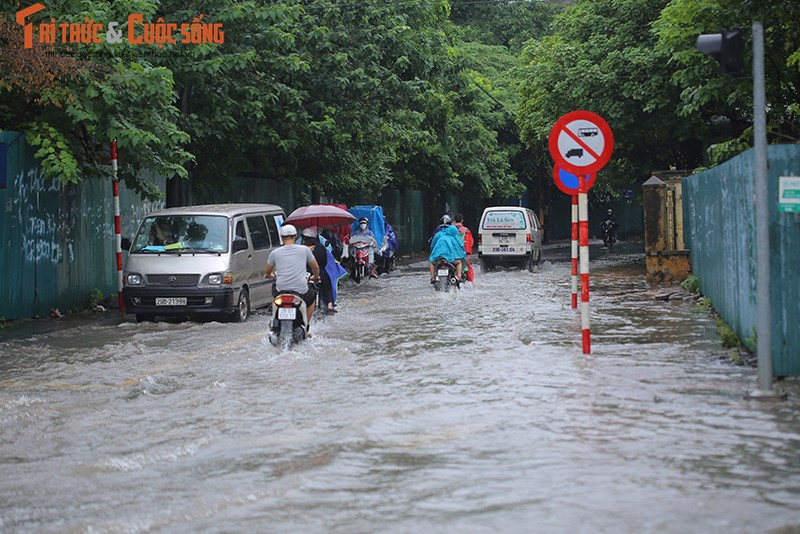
x=445, y=276
x=609, y=231
x=387, y=262
x=359, y=264
x=289, y=323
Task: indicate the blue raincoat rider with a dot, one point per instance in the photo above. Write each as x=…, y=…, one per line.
x=447, y=244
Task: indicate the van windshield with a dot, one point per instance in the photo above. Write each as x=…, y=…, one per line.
x=182, y=233
x=504, y=220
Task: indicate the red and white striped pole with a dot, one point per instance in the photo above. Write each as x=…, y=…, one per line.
x=583, y=217
x=117, y=232
x=574, y=252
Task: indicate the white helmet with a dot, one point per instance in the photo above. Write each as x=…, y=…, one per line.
x=288, y=230
x=446, y=220
x=311, y=231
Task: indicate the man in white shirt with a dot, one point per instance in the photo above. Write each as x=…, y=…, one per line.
x=287, y=265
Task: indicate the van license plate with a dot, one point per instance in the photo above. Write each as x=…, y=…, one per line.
x=287, y=313
x=442, y=272
x=503, y=249
x=170, y=301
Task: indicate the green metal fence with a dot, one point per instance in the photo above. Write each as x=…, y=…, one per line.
x=57, y=240
x=719, y=226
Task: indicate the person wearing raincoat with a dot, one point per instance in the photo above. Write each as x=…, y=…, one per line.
x=467, y=239
x=363, y=233
x=447, y=244
x=389, y=248
x=330, y=270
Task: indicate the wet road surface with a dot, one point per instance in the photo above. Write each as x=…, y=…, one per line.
x=409, y=410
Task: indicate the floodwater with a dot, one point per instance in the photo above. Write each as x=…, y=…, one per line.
x=408, y=411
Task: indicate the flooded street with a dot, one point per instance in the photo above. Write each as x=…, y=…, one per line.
x=408, y=411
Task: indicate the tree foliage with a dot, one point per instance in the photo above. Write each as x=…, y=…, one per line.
x=338, y=97
x=601, y=57
x=71, y=102
x=354, y=97
x=724, y=103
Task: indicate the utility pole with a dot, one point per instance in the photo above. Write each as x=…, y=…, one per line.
x=727, y=47
x=761, y=193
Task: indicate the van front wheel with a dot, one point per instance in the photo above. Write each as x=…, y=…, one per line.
x=242, y=307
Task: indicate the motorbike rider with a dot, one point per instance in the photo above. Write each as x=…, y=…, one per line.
x=610, y=221
x=332, y=242
x=469, y=241
x=446, y=244
x=311, y=240
x=287, y=265
x=442, y=225
x=363, y=233
x=390, y=246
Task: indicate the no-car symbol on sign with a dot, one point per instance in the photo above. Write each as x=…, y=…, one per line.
x=581, y=142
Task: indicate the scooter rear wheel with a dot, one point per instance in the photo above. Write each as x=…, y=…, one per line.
x=285, y=336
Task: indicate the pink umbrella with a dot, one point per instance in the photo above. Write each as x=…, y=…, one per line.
x=320, y=215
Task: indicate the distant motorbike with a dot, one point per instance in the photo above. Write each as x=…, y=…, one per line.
x=609, y=230
x=359, y=264
x=289, y=319
x=445, y=276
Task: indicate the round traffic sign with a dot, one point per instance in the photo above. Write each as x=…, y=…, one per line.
x=568, y=182
x=581, y=142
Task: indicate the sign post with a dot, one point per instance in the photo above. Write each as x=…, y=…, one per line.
x=580, y=143
x=569, y=184
x=574, y=247
x=117, y=234
x=583, y=222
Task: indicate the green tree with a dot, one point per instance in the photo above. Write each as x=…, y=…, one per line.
x=488, y=38
x=602, y=57
x=725, y=104
x=507, y=23
x=236, y=99
x=72, y=102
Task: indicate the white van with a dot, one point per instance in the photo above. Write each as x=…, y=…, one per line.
x=509, y=235
x=201, y=261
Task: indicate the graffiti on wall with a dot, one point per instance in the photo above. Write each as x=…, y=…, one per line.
x=135, y=213
x=45, y=235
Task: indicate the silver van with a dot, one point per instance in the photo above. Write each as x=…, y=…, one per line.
x=201, y=261
x=509, y=235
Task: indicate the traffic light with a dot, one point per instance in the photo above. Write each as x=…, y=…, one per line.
x=726, y=47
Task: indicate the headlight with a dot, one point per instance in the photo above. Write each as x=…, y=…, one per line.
x=134, y=279
x=215, y=279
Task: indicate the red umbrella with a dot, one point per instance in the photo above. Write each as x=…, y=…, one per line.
x=320, y=215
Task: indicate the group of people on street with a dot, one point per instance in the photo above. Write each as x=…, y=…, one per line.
x=453, y=242
x=316, y=253
x=290, y=264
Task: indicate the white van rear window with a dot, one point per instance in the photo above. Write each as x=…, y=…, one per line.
x=504, y=220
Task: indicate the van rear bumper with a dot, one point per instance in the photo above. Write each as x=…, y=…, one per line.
x=199, y=300
x=508, y=257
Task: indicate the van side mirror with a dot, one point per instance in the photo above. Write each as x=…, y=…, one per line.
x=125, y=243
x=239, y=243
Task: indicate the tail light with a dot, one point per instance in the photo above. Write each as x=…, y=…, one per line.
x=480, y=239
x=527, y=238
x=284, y=299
